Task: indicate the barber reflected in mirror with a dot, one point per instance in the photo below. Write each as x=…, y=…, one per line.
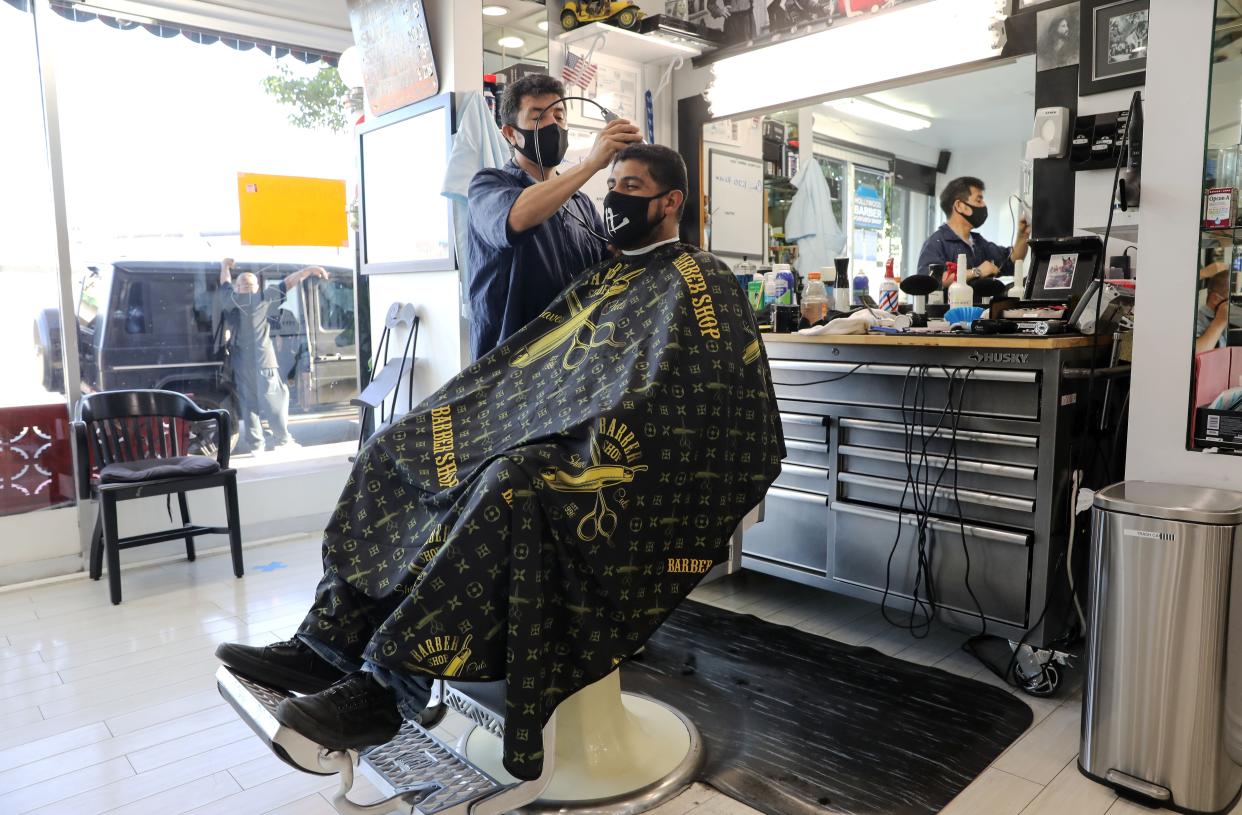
x=1212, y=314
x=965, y=212
x=532, y=229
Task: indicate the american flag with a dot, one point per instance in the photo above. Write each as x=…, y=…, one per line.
x=578, y=71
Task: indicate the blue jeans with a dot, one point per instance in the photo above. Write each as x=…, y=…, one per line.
x=412, y=690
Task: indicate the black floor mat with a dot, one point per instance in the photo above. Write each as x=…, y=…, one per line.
x=794, y=723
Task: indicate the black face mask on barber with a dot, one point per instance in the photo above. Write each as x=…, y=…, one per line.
x=553, y=143
x=978, y=215
x=625, y=217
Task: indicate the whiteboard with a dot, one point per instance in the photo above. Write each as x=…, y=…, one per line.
x=735, y=204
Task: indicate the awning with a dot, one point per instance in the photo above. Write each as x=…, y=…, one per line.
x=202, y=36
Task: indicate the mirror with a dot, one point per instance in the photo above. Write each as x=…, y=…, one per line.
x=515, y=39
x=1216, y=384
x=885, y=157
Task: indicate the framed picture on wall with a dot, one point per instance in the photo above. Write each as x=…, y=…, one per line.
x=1113, y=45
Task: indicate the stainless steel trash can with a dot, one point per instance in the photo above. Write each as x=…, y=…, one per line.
x=1162, y=710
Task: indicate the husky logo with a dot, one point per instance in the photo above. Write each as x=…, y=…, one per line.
x=997, y=358
x=611, y=218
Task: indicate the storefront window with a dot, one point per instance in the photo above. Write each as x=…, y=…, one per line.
x=35, y=456
x=152, y=161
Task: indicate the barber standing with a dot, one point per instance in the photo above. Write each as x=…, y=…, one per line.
x=965, y=211
x=531, y=230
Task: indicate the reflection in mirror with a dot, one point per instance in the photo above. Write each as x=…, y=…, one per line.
x=884, y=157
x=1216, y=396
x=515, y=39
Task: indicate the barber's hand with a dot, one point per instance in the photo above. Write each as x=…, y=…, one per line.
x=1024, y=229
x=615, y=136
x=988, y=269
x=316, y=271
x=227, y=264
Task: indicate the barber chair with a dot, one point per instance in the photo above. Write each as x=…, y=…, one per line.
x=604, y=750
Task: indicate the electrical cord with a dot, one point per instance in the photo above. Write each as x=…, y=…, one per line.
x=924, y=492
x=543, y=171
x=821, y=381
x=1069, y=557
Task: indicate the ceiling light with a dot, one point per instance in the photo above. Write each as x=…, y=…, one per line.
x=495, y=11
x=863, y=108
x=510, y=42
x=844, y=55
x=543, y=25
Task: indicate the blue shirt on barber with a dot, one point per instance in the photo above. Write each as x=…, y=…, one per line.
x=944, y=246
x=516, y=275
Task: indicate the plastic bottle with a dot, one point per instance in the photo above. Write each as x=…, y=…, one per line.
x=785, y=283
x=769, y=288
x=862, y=285
x=960, y=292
x=745, y=272
x=826, y=276
x=841, y=292
x=888, y=289
x=814, y=299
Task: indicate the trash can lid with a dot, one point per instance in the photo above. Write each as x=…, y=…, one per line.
x=1172, y=502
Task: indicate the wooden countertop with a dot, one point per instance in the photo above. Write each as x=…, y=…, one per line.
x=944, y=340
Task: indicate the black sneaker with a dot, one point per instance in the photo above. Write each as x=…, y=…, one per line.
x=354, y=713
x=288, y=665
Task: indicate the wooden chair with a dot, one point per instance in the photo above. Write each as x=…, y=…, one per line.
x=138, y=441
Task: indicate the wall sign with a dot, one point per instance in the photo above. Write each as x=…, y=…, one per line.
x=398, y=66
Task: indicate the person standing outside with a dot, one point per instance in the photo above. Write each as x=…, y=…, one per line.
x=531, y=228
x=261, y=389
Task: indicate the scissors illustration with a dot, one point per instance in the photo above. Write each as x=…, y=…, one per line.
x=589, y=336
x=600, y=522
x=572, y=327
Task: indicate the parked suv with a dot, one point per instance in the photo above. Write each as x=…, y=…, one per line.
x=156, y=324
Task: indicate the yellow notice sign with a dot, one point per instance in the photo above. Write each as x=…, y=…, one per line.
x=283, y=210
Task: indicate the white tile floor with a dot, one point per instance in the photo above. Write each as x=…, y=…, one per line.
x=114, y=709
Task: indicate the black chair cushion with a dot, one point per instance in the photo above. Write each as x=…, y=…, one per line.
x=154, y=469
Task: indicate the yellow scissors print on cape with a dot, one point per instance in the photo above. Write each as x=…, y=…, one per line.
x=576, y=327
x=601, y=521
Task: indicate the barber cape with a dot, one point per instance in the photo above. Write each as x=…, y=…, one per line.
x=542, y=514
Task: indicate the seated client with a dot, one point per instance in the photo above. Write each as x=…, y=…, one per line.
x=537, y=518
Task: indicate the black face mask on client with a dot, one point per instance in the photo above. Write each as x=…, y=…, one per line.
x=546, y=146
x=977, y=215
x=625, y=218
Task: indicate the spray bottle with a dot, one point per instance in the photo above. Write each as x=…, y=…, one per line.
x=841, y=292
x=960, y=293
x=888, y=289
x=862, y=286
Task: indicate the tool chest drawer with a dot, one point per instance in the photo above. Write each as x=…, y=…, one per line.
x=978, y=445
x=999, y=559
x=1007, y=394
x=794, y=531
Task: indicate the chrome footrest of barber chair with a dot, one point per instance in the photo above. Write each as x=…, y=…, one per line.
x=417, y=772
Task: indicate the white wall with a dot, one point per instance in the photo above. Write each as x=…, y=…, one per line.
x=997, y=166
x=1176, y=108
x=1093, y=188
x=456, y=28
x=881, y=138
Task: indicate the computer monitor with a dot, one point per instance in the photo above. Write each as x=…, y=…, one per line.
x=1060, y=269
